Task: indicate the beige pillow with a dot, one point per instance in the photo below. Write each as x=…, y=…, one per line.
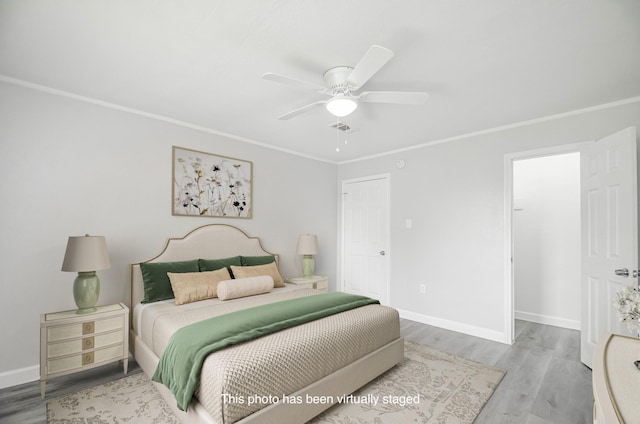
x=193, y=286
x=257, y=270
x=241, y=287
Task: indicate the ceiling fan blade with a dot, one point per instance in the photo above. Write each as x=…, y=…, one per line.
x=374, y=59
x=397, y=97
x=283, y=79
x=302, y=110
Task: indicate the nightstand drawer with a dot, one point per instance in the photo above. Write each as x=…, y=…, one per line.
x=322, y=285
x=71, y=331
x=83, y=359
x=85, y=343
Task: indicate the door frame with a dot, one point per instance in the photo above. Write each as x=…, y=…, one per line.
x=509, y=159
x=387, y=178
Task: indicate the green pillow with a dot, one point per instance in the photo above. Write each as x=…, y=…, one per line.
x=257, y=260
x=156, y=282
x=216, y=264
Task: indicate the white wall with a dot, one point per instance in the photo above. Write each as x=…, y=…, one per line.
x=546, y=239
x=70, y=168
x=454, y=193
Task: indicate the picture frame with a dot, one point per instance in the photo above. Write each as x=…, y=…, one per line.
x=210, y=185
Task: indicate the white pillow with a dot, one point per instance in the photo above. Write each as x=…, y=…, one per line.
x=241, y=287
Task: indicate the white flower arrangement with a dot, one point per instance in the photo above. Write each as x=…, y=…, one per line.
x=628, y=304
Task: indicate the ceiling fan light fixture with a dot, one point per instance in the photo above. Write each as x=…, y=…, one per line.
x=341, y=106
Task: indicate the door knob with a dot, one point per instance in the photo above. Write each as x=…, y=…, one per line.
x=623, y=272
x=382, y=252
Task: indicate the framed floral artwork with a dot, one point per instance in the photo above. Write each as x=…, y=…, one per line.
x=205, y=184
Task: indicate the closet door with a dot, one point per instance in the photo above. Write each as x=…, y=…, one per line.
x=365, y=241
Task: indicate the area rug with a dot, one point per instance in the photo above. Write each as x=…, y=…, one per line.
x=132, y=399
x=428, y=386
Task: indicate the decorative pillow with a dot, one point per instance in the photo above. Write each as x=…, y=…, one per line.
x=156, y=282
x=256, y=260
x=215, y=264
x=241, y=287
x=193, y=286
x=257, y=270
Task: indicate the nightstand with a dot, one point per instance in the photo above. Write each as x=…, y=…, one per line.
x=71, y=342
x=318, y=282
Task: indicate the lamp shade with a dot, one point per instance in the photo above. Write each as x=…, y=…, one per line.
x=307, y=244
x=86, y=253
x=341, y=106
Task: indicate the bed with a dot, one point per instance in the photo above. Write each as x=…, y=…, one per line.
x=289, y=376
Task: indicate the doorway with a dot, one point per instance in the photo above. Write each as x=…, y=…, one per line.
x=609, y=231
x=546, y=240
x=511, y=215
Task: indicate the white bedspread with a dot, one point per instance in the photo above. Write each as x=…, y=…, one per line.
x=275, y=365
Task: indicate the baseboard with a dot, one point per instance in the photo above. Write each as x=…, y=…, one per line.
x=19, y=376
x=467, y=329
x=548, y=320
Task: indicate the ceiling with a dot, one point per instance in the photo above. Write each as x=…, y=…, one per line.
x=485, y=63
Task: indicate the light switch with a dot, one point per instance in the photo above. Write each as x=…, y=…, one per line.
x=408, y=223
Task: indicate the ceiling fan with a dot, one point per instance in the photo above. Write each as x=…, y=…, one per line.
x=342, y=83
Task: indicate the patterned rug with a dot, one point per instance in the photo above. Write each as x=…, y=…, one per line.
x=428, y=386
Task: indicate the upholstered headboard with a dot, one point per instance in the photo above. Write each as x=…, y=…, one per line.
x=213, y=241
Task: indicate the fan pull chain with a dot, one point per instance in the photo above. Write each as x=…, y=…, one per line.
x=338, y=126
x=337, y=135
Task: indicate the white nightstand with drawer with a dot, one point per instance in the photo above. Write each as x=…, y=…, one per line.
x=71, y=342
x=318, y=282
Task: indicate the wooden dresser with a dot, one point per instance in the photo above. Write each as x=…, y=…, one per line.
x=71, y=342
x=616, y=380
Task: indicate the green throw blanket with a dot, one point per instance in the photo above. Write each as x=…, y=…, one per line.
x=181, y=361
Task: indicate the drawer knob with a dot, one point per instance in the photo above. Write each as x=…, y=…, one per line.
x=87, y=343
x=88, y=327
x=87, y=358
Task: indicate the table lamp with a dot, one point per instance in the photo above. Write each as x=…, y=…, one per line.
x=86, y=255
x=307, y=246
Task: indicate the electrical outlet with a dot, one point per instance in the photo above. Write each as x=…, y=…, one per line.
x=423, y=288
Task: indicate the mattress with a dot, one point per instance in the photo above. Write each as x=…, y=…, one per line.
x=242, y=379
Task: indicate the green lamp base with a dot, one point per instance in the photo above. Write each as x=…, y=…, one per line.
x=86, y=289
x=308, y=265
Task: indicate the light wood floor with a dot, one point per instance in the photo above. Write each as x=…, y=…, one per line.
x=545, y=381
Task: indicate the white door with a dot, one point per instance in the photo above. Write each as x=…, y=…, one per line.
x=609, y=221
x=365, y=217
